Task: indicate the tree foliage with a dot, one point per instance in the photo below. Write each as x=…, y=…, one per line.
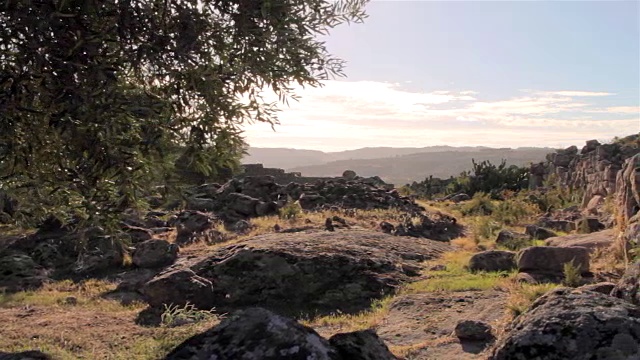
x=94, y=93
x=484, y=177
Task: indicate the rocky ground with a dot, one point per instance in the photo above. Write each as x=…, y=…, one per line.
x=358, y=272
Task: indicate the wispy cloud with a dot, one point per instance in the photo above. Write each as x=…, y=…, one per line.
x=618, y=110
x=343, y=115
x=577, y=93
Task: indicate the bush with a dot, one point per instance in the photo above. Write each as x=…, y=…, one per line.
x=291, y=210
x=484, y=177
x=484, y=228
x=174, y=315
x=572, y=276
x=480, y=204
x=513, y=210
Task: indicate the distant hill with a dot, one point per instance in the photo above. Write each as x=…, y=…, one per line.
x=395, y=165
x=285, y=158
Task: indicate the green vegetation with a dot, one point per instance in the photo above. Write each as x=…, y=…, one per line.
x=480, y=204
x=96, y=94
x=456, y=277
x=572, y=275
x=291, y=210
x=522, y=295
x=484, y=177
x=174, y=315
x=355, y=322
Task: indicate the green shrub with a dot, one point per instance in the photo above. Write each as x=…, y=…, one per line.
x=291, y=210
x=175, y=315
x=572, y=276
x=514, y=210
x=485, y=228
x=480, y=204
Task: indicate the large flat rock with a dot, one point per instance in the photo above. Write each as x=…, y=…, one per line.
x=315, y=272
x=600, y=239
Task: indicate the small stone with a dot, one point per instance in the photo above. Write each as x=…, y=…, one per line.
x=471, y=330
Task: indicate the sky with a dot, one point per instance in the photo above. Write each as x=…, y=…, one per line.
x=469, y=73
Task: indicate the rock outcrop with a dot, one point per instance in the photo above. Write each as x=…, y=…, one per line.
x=628, y=202
x=600, y=239
x=628, y=188
x=18, y=271
x=573, y=324
x=434, y=226
x=512, y=240
x=594, y=168
x=628, y=287
x=546, y=263
x=256, y=333
x=155, y=253
x=253, y=196
x=316, y=272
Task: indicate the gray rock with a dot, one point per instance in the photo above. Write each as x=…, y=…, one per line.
x=471, y=330
x=600, y=239
x=588, y=225
x=25, y=355
x=266, y=208
x=559, y=225
x=191, y=224
x=312, y=272
x=155, y=253
x=493, y=260
x=387, y=227
x=631, y=234
x=361, y=345
x=241, y=226
x=628, y=188
x=628, y=287
x=242, y=204
x=253, y=334
x=138, y=234
x=256, y=333
x=97, y=261
x=538, y=233
x=349, y=175
x=590, y=146
x=201, y=204
x=177, y=287
x=18, y=272
x=512, y=240
x=547, y=259
x=602, y=287
x=310, y=201
x=572, y=324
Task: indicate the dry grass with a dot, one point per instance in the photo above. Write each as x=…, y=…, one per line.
x=79, y=333
x=522, y=295
x=86, y=294
x=73, y=321
x=354, y=322
x=607, y=261
x=408, y=352
x=92, y=327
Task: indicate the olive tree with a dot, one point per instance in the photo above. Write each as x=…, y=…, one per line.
x=93, y=93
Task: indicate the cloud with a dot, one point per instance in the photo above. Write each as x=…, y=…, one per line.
x=618, y=110
x=351, y=114
x=577, y=93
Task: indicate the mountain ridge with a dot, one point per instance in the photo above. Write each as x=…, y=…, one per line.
x=409, y=164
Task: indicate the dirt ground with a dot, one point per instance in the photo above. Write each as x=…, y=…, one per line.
x=422, y=325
